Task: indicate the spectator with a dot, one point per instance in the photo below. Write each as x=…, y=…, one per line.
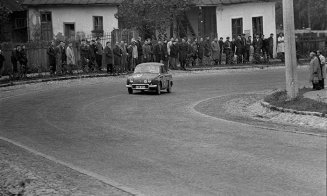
x=174, y=50
x=92, y=59
x=2, y=59
x=108, y=58
x=147, y=54
x=70, y=58
x=195, y=52
x=134, y=55
x=139, y=45
x=281, y=47
x=244, y=52
x=239, y=49
x=98, y=53
x=200, y=51
x=84, y=52
x=248, y=48
x=118, y=53
x=61, y=58
x=22, y=59
x=51, y=52
x=265, y=48
x=228, y=51
x=221, y=45
x=159, y=52
x=257, y=45
x=124, y=56
x=207, y=52
x=14, y=60
x=271, y=46
x=183, y=52
x=315, y=74
x=215, y=51
x=322, y=61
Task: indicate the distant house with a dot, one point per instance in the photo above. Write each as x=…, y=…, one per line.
x=15, y=28
x=48, y=18
x=224, y=18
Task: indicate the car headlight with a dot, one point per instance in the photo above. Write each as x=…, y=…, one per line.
x=131, y=80
x=149, y=81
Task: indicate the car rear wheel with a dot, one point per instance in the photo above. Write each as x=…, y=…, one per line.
x=169, y=87
x=130, y=91
x=158, y=89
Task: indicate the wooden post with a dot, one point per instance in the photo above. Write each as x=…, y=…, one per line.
x=290, y=50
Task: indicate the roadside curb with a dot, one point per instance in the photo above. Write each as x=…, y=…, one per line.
x=55, y=79
x=286, y=110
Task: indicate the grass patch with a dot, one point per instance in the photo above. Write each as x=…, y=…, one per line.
x=279, y=99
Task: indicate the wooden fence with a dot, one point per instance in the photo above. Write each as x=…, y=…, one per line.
x=311, y=42
x=37, y=51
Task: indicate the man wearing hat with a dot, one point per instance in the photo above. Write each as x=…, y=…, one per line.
x=221, y=45
x=98, y=53
x=228, y=51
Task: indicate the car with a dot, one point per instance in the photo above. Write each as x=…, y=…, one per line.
x=150, y=77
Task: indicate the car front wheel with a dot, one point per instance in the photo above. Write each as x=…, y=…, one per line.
x=169, y=87
x=158, y=89
x=130, y=91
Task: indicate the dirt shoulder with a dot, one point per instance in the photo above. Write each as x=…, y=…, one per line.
x=246, y=108
x=23, y=173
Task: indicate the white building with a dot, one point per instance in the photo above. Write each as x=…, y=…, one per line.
x=48, y=18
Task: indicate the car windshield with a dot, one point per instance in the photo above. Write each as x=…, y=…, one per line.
x=147, y=69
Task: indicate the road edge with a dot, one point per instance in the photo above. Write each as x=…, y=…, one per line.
x=77, y=169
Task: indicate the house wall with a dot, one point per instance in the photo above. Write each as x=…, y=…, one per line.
x=82, y=17
x=226, y=13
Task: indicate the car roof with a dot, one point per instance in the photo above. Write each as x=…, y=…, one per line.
x=151, y=63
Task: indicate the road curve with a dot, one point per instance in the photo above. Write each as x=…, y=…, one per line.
x=159, y=146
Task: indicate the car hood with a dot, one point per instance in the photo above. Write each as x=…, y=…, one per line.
x=143, y=76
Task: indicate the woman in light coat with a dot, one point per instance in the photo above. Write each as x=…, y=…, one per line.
x=323, y=68
x=70, y=58
x=315, y=74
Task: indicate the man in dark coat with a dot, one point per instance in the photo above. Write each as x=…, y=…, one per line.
x=257, y=45
x=51, y=52
x=183, y=52
x=139, y=45
x=159, y=52
x=61, y=58
x=92, y=51
x=244, y=51
x=118, y=53
x=228, y=51
x=98, y=53
x=14, y=60
x=174, y=50
x=271, y=45
x=108, y=60
x=2, y=59
x=221, y=45
x=239, y=49
x=200, y=45
x=22, y=59
x=84, y=52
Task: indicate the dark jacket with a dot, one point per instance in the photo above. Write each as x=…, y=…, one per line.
x=52, y=55
x=183, y=51
x=207, y=48
x=117, y=54
x=22, y=57
x=221, y=45
x=257, y=44
x=2, y=59
x=159, y=52
x=14, y=57
x=239, y=46
x=227, y=46
x=174, y=50
x=108, y=56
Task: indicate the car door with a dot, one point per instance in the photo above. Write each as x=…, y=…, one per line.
x=165, y=78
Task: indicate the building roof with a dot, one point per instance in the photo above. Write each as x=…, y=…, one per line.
x=12, y=5
x=71, y=2
x=117, y=2
x=223, y=2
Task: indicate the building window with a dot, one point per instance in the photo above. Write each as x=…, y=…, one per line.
x=97, y=23
x=257, y=26
x=237, y=27
x=20, y=23
x=45, y=17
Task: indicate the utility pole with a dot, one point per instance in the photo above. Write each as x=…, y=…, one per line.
x=290, y=50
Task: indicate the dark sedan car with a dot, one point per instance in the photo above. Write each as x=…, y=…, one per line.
x=150, y=77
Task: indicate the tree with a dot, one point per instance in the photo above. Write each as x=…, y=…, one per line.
x=149, y=16
x=307, y=14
